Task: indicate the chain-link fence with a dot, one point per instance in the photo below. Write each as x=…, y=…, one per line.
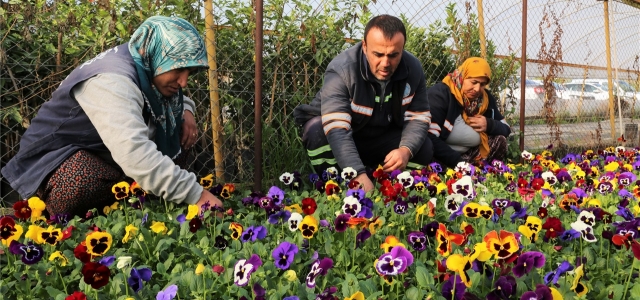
x=566, y=94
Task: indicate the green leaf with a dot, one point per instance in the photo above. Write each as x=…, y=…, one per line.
x=635, y=292
x=53, y=292
x=423, y=277
x=350, y=285
x=413, y=293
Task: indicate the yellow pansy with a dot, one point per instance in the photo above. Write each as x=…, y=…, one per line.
x=612, y=166
x=290, y=275
x=294, y=208
x=37, y=207
x=15, y=235
x=192, y=211
x=308, y=226
x=419, y=212
x=120, y=190
x=480, y=252
x=555, y=294
x=390, y=242
x=109, y=209
x=199, y=269
x=51, y=235
x=59, y=257
x=207, y=181
x=130, y=231
x=376, y=225
x=33, y=233
x=159, y=227
x=356, y=296
x=594, y=203
x=98, y=243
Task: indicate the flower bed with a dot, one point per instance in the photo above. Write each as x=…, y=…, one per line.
x=545, y=229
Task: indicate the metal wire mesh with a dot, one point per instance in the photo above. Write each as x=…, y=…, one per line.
x=564, y=43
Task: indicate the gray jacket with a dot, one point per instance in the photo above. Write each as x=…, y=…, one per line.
x=346, y=102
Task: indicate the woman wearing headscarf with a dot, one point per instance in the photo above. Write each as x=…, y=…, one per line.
x=119, y=115
x=466, y=123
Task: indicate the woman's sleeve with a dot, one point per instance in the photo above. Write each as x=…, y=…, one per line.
x=496, y=123
x=114, y=105
x=189, y=105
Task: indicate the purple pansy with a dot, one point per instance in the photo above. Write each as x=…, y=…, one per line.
x=504, y=288
x=340, y=222
x=454, y=283
x=417, y=240
x=527, y=261
x=362, y=236
x=29, y=253
x=137, y=276
x=243, y=269
x=168, y=293
x=400, y=207
x=108, y=260
x=284, y=254
x=394, y=262
x=252, y=233
x=319, y=267
x=276, y=194
x=280, y=216
x=554, y=276
x=542, y=292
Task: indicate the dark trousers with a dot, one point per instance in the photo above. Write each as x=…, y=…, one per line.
x=372, y=150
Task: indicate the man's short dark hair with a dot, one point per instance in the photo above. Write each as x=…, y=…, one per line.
x=389, y=25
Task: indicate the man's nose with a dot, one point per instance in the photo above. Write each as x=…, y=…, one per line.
x=385, y=61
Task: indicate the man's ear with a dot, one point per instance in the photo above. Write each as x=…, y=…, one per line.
x=364, y=47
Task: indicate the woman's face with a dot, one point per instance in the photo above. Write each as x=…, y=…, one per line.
x=170, y=82
x=472, y=86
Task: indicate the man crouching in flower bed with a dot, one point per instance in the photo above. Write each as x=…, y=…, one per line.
x=372, y=108
x=120, y=114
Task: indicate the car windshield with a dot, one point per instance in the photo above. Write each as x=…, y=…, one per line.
x=625, y=86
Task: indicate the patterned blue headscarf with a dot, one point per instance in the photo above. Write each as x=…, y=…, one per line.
x=159, y=45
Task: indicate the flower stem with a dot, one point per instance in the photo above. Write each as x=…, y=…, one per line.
x=453, y=291
x=96, y=293
x=626, y=288
x=62, y=280
x=126, y=287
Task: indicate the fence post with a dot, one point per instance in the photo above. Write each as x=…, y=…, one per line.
x=257, y=176
x=483, y=39
x=612, y=120
x=214, y=96
x=523, y=72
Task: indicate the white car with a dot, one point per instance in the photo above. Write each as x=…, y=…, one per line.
x=587, y=98
x=534, y=97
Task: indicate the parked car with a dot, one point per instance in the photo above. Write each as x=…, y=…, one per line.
x=587, y=98
x=620, y=87
x=534, y=97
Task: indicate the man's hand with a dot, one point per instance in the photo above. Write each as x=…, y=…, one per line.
x=213, y=201
x=364, y=180
x=396, y=159
x=478, y=123
x=189, y=130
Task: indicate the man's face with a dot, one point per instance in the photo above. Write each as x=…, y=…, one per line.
x=383, y=54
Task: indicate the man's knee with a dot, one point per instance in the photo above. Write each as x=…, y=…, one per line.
x=313, y=135
x=424, y=156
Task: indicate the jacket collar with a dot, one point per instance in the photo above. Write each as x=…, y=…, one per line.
x=402, y=72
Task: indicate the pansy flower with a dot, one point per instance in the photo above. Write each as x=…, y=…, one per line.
x=309, y=206
x=452, y=203
x=471, y=210
x=445, y=238
x=236, y=230
x=276, y=194
x=9, y=230
x=542, y=292
x=37, y=206
x=394, y=262
x=405, y=179
x=417, y=240
x=98, y=243
x=605, y=187
x=96, y=274
x=195, y=224
x=120, y=190
x=587, y=218
x=243, y=269
x=286, y=178
x=531, y=228
x=253, y=233
x=503, y=245
x=294, y=221
x=340, y=223
x=504, y=288
x=527, y=261
x=400, y=207
x=390, y=242
x=553, y=227
x=376, y=224
x=578, y=287
x=280, y=216
x=207, y=181
x=284, y=254
x=585, y=230
x=158, y=227
x=137, y=276
x=454, y=285
x=308, y=226
x=29, y=253
x=464, y=187
x=332, y=190
x=348, y=173
x=319, y=267
x=220, y=242
x=362, y=236
x=554, y=276
x=351, y=206
x=460, y=264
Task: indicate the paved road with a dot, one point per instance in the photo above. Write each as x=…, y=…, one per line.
x=580, y=134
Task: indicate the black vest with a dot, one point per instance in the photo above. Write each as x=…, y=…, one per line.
x=61, y=127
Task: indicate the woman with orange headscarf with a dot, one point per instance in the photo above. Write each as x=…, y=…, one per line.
x=466, y=124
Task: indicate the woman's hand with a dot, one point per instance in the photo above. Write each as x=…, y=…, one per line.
x=189, y=130
x=205, y=197
x=478, y=123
